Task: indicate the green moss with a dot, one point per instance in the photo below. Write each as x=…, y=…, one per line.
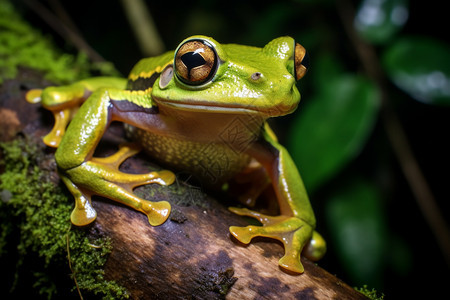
x=35, y=217
x=21, y=45
x=371, y=294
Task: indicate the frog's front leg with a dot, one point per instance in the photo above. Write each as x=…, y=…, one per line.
x=86, y=175
x=64, y=101
x=295, y=226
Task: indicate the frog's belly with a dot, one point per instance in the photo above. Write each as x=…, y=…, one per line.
x=213, y=163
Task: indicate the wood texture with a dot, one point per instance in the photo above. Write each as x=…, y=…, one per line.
x=192, y=255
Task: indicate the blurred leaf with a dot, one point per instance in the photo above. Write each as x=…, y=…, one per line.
x=379, y=20
x=332, y=127
x=327, y=67
x=421, y=67
x=358, y=229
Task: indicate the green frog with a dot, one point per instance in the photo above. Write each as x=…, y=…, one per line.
x=201, y=108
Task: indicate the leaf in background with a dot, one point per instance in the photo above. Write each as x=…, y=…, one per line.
x=327, y=67
x=359, y=232
x=378, y=21
x=332, y=127
x=421, y=67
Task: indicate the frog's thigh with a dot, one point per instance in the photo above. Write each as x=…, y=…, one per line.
x=294, y=227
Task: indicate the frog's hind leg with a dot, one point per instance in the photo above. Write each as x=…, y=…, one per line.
x=117, y=185
x=294, y=227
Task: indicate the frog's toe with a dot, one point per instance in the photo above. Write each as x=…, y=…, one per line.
x=243, y=234
x=54, y=137
x=244, y=212
x=83, y=213
x=130, y=181
x=264, y=219
x=164, y=177
x=114, y=161
x=291, y=263
x=82, y=218
x=157, y=212
x=34, y=96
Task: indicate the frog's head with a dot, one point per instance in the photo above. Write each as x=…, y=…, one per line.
x=208, y=76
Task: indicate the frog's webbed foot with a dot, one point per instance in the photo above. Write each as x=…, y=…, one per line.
x=104, y=175
x=293, y=232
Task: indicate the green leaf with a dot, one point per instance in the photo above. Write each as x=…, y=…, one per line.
x=358, y=230
x=332, y=127
x=378, y=21
x=421, y=67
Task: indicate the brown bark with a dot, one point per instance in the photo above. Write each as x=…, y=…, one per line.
x=192, y=255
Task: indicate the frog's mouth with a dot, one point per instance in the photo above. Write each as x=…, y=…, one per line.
x=215, y=107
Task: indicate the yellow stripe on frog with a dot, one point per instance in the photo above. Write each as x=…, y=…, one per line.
x=148, y=74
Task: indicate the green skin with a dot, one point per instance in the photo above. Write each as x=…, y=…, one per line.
x=168, y=115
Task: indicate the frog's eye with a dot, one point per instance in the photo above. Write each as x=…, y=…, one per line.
x=301, y=61
x=195, y=62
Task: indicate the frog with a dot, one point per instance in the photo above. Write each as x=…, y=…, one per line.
x=204, y=108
